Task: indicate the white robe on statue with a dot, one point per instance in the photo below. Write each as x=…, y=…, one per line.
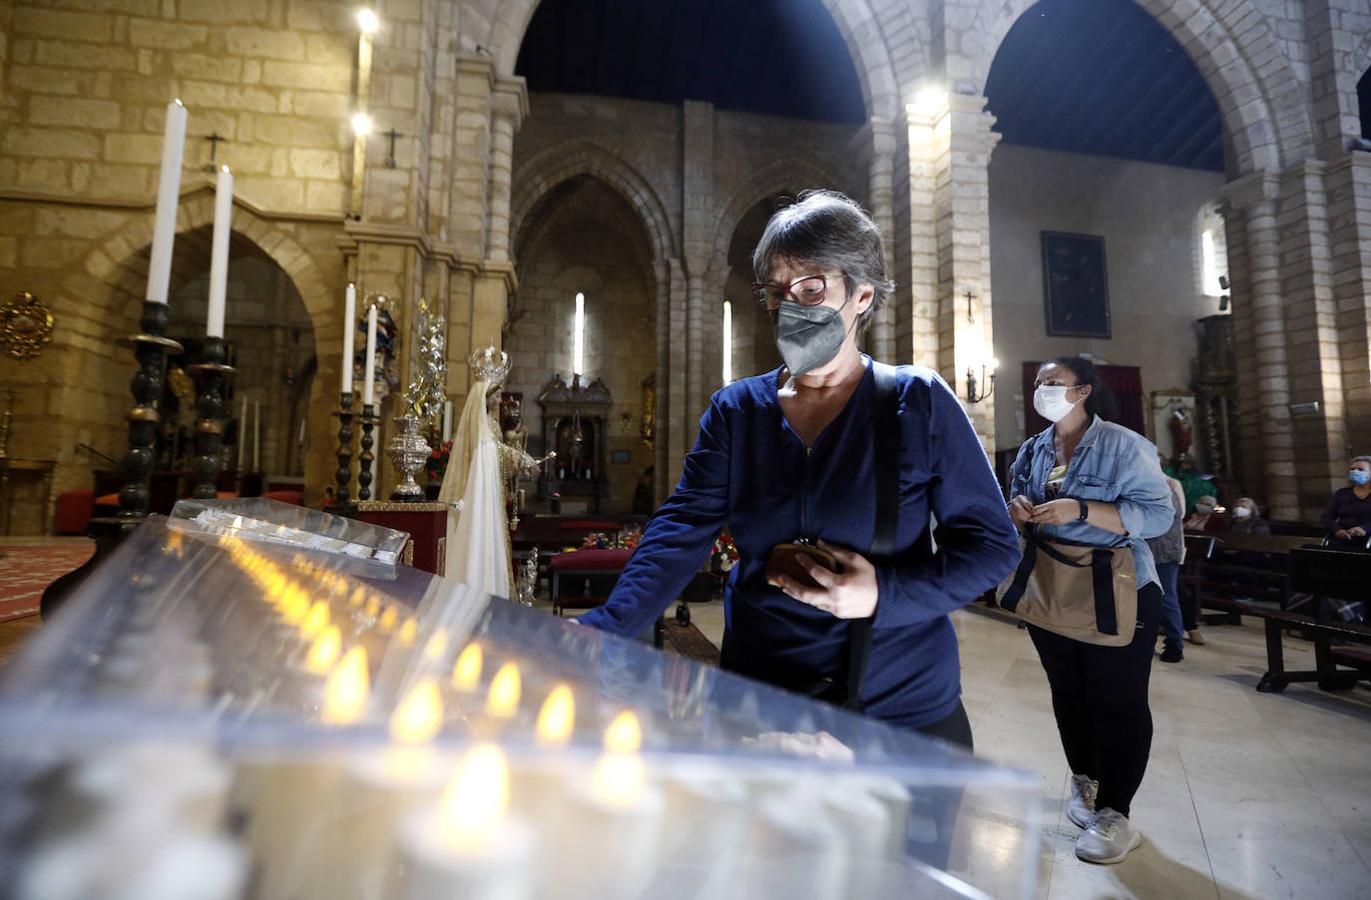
x=478, y=549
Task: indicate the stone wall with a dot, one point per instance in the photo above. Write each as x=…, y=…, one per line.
x=1148, y=216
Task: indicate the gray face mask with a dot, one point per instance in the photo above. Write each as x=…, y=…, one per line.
x=809, y=337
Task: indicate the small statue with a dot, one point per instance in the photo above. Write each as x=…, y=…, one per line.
x=528, y=581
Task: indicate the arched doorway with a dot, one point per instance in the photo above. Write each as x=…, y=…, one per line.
x=1096, y=199
x=583, y=238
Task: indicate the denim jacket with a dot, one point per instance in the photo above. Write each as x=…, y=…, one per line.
x=1112, y=464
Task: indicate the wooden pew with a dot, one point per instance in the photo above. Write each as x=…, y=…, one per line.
x=1325, y=574
x=1237, y=568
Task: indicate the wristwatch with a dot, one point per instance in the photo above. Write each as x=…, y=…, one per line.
x=1085, y=510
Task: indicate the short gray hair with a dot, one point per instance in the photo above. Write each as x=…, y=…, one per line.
x=828, y=229
x=1256, y=510
x=1365, y=459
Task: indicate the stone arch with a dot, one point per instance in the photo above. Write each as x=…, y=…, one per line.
x=867, y=32
x=1236, y=52
x=545, y=170
x=197, y=210
x=770, y=179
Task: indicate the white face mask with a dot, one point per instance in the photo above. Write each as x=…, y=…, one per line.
x=1242, y=512
x=1051, y=403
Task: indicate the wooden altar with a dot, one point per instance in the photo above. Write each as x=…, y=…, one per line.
x=575, y=420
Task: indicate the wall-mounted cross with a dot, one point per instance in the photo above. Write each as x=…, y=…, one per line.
x=393, y=135
x=214, y=138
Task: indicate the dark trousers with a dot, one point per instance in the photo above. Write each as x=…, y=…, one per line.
x=1099, y=696
x=955, y=729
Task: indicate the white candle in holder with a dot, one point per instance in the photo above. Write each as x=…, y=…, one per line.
x=168, y=198
x=349, y=335
x=369, y=386
x=256, y=435
x=468, y=846
x=219, y=250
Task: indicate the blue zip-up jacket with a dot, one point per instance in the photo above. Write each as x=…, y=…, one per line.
x=750, y=472
x=1113, y=464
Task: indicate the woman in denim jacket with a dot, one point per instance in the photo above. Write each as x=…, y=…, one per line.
x=1089, y=481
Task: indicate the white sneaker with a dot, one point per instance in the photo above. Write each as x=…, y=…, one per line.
x=1081, y=807
x=1109, y=838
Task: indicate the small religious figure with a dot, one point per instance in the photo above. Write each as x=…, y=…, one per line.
x=1182, y=432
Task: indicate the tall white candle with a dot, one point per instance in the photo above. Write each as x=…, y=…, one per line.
x=256, y=435
x=168, y=196
x=349, y=335
x=447, y=421
x=219, y=247
x=242, y=433
x=369, y=387
x=301, y=439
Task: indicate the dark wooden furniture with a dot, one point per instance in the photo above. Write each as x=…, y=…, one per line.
x=16, y=466
x=1238, y=569
x=425, y=523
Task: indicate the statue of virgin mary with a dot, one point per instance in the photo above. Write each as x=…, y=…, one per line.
x=480, y=466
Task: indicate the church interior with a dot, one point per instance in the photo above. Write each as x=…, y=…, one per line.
x=352, y=352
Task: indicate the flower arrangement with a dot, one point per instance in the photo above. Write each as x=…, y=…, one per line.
x=724, y=556
x=624, y=540
x=436, y=464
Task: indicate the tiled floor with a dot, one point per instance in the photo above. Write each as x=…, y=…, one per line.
x=1246, y=794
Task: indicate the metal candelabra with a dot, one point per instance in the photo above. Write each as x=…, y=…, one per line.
x=344, y=474
x=150, y=348
x=210, y=375
x=364, y=459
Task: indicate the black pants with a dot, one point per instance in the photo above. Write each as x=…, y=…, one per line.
x=955, y=729
x=1099, y=695
x=1190, y=608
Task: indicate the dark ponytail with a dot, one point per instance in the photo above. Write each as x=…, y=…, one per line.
x=1101, y=400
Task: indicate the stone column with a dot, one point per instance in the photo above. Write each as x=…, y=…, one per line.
x=1348, y=184
x=877, y=146
x=675, y=428
x=698, y=223
x=959, y=149
x=1253, y=198
x=509, y=106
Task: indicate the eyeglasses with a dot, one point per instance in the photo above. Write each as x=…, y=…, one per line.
x=807, y=291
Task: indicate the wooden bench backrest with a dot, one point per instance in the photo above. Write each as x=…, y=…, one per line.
x=1343, y=574
x=1263, y=543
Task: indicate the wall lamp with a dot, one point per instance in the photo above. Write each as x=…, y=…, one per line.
x=987, y=377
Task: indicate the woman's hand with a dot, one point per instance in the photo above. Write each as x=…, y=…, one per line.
x=1056, y=512
x=1342, y=534
x=851, y=595
x=1021, y=510
x=1357, y=532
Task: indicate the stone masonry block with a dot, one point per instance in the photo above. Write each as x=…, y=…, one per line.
x=51, y=143
x=208, y=68
x=79, y=26
x=221, y=12
x=304, y=75
x=84, y=56
x=163, y=35
x=268, y=43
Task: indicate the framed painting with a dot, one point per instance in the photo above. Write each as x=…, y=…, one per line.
x=1075, y=285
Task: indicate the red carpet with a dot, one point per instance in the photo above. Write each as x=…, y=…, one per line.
x=26, y=571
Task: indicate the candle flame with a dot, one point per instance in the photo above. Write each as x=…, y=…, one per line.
x=436, y=646
x=419, y=716
x=373, y=607
x=315, y=621
x=408, y=631
x=389, y=619
x=175, y=544
x=466, y=674
x=557, y=718
x=505, y=688
x=624, y=734
x=345, y=692
x=618, y=779
x=323, y=653
x=475, y=800
x=358, y=598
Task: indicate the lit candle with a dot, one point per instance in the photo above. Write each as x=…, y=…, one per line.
x=506, y=689
x=466, y=672
x=623, y=810
x=368, y=386
x=168, y=198
x=256, y=435
x=536, y=788
x=349, y=335
x=794, y=849
x=219, y=248
x=467, y=847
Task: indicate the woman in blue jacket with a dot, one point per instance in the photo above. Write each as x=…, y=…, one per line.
x=790, y=456
x=1088, y=481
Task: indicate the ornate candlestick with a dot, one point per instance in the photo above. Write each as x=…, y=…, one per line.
x=343, y=476
x=150, y=349
x=408, y=452
x=209, y=428
x=366, y=456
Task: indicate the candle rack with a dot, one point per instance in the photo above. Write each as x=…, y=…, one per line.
x=365, y=458
x=210, y=375
x=343, y=477
x=150, y=347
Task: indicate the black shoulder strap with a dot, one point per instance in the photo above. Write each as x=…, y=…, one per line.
x=886, y=459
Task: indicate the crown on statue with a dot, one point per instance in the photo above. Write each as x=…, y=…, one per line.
x=490, y=364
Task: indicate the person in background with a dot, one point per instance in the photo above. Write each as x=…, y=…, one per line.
x=1348, y=516
x=1168, y=551
x=1086, y=480
x=1247, y=518
x=1204, y=518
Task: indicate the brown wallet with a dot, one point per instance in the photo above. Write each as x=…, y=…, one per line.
x=785, y=560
